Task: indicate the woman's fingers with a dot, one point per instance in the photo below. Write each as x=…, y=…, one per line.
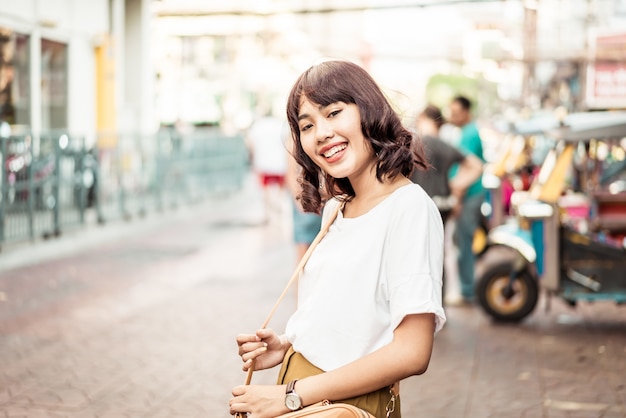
x=246, y=365
x=247, y=338
x=264, y=333
x=252, y=346
x=237, y=403
x=254, y=352
x=237, y=407
x=252, y=349
x=234, y=404
x=238, y=391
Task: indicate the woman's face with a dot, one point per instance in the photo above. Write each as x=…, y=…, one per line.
x=332, y=137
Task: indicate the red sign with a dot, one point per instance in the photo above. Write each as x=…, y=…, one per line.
x=606, y=75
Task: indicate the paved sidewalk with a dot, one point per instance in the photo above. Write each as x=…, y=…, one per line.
x=139, y=320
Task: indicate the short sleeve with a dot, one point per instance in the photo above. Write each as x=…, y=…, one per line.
x=414, y=260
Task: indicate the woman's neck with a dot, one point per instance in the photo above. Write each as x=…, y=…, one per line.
x=369, y=192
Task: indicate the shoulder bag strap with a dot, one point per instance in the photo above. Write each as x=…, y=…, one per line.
x=296, y=274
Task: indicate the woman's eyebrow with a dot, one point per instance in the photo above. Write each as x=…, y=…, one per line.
x=319, y=107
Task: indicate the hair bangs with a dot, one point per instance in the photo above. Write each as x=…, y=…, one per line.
x=324, y=84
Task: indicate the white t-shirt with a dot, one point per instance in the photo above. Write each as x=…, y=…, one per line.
x=365, y=276
x=265, y=136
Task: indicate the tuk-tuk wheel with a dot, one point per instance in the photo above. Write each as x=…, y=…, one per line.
x=503, y=300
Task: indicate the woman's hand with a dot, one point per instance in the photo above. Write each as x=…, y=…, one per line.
x=265, y=347
x=259, y=401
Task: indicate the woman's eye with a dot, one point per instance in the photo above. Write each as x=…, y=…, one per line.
x=334, y=113
x=305, y=128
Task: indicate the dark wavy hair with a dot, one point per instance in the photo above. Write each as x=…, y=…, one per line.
x=398, y=153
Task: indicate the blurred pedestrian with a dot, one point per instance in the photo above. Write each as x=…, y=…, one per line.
x=447, y=193
x=369, y=299
x=469, y=217
x=267, y=155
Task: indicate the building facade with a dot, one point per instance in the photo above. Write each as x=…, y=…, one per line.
x=74, y=65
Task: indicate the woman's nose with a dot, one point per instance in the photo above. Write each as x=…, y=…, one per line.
x=324, y=131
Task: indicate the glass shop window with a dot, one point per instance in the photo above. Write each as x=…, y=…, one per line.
x=15, y=105
x=53, y=85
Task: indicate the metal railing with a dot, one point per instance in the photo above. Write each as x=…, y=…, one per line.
x=54, y=182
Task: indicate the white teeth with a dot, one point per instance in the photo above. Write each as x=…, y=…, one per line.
x=334, y=150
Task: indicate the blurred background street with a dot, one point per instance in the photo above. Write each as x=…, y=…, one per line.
x=140, y=321
x=136, y=240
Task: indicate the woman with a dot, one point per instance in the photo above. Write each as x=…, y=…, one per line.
x=369, y=300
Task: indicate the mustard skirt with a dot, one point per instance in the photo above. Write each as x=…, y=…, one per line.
x=295, y=366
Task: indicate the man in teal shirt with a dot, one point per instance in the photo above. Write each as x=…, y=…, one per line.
x=469, y=217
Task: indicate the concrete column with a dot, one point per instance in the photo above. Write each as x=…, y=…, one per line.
x=530, y=52
x=35, y=82
x=139, y=93
x=118, y=34
x=148, y=103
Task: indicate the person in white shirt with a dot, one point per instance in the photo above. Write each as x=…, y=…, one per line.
x=267, y=155
x=369, y=298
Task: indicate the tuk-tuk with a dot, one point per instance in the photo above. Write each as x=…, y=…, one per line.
x=568, y=233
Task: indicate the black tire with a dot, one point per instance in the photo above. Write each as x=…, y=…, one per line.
x=515, y=308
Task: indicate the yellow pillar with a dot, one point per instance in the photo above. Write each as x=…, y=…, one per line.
x=105, y=93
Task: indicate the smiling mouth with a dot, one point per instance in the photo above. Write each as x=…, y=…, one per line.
x=334, y=150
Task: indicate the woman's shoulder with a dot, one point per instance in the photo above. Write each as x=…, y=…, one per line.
x=411, y=198
x=411, y=192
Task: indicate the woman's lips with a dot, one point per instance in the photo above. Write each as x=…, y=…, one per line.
x=329, y=153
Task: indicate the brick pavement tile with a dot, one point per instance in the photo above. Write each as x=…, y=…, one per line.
x=620, y=390
x=615, y=412
x=17, y=412
x=53, y=397
x=106, y=411
x=195, y=398
x=134, y=397
x=191, y=410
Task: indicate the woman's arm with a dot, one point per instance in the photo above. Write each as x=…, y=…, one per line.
x=408, y=354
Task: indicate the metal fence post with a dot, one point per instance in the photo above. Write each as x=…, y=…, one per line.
x=158, y=174
x=56, y=183
x=97, y=187
x=80, y=183
x=119, y=168
x=30, y=201
x=4, y=186
x=139, y=176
